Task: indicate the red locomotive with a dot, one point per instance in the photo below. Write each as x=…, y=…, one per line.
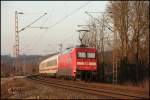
x=78, y=62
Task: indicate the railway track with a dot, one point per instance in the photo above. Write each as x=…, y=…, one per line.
x=139, y=92
x=94, y=89
x=130, y=90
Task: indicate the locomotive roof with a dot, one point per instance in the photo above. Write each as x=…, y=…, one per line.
x=79, y=47
x=84, y=47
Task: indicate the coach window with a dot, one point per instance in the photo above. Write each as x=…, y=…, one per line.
x=52, y=63
x=44, y=64
x=49, y=63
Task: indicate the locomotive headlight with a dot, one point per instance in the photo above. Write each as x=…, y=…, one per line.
x=90, y=55
x=92, y=63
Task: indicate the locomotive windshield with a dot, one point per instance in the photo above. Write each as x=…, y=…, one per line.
x=90, y=55
x=81, y=55
x=86, y=55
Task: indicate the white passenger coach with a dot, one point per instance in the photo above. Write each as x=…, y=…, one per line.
x=49, y=66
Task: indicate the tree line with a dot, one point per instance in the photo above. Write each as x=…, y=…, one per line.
x=128, y=39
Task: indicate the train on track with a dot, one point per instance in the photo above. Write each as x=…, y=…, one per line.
x=73, y=63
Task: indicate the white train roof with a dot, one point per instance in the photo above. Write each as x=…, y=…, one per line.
x=50, y=58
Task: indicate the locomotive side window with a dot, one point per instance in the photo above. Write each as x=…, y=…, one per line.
x=67, y=51
x=81, y=55
x=90, y=55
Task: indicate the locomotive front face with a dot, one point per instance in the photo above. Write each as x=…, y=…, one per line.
x=86, y=59
x=74, y=61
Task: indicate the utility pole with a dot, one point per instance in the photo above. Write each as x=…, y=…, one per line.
x=17, y=42
x=17, y=45
x=115, y=60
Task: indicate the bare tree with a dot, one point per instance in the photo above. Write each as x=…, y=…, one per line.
x=131, y=21
x=119, y=16
x=97, y=38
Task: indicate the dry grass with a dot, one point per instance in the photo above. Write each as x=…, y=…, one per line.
x=15, y=88
x=25, y=89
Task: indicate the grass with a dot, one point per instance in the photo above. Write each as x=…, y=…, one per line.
x=30, y=90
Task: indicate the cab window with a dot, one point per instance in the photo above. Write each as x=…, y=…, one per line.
x=67, y=51
x=91, y=55
x=81, y=54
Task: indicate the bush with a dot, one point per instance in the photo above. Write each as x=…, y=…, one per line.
x=134, y=72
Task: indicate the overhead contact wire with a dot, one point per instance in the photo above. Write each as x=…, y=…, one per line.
x=61, y=20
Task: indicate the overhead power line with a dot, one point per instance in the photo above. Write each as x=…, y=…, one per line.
x=58, y=22
x=76, y=10
x=32, y=23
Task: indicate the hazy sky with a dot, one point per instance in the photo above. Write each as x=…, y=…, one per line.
x=42, y=41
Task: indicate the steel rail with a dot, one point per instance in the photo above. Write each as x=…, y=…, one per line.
x=81, y=88
x=123, y=90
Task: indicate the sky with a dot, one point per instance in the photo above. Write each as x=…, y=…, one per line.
x=62, y=19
